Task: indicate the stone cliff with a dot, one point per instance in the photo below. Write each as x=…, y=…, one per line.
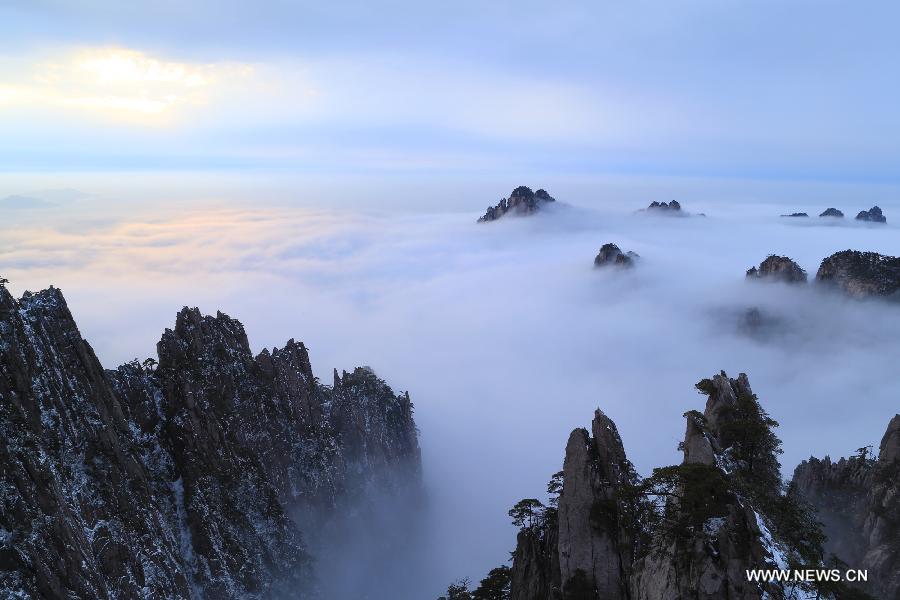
x=858, y=501
x=196, y=477
x=687, y=531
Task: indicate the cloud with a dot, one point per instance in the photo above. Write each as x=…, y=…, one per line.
x=115, y=83
x=504, y=334
x=593, y=87
x=23, y=202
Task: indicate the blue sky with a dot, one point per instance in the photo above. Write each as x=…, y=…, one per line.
x=703, y=88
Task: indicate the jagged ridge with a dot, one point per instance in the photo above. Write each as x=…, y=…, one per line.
x=188, y=480
x=687, y=531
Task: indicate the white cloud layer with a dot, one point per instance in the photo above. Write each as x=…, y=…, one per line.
x=503, y=333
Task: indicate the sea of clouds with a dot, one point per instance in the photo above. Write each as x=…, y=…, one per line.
x=505, y=335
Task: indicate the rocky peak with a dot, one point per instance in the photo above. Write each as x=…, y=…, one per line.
x=197, y=478
x=522, y=201
x=777, y=268
x=796, y=214
x=665, y=207
x=591, y=539
x=873, y=215
x=608, y=443
x=861, y=274
x=610, y=254
x=204, y=339
x=832, y=212
x=722, y=397
x=687, y=531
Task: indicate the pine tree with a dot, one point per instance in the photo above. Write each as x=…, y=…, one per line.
x=496, y=586
x=528, y=513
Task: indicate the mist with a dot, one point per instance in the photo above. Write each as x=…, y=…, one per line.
x=504, y=334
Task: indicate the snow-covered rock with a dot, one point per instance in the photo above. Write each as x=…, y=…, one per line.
x=193, y=479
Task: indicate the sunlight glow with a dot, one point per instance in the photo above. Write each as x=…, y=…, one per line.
x=121, y=66
x=118, y=83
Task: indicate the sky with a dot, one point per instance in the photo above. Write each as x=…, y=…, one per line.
x=315, y=170
x=768, y=89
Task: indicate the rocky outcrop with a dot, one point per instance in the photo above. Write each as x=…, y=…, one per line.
x=536, y=570
x=873, y=215
x=777, y=268
x=832, y=212
x=594, y=544
x=861, y=274
x=717, y=527
x=612, y=255
x=688, y=531
x=193, y=478
x=668, y=208
x=796, y=214
x=522, y=201
x=858, y=501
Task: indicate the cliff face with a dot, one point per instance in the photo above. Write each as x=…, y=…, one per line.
x=688, y=531
x=536, y=569
x=193, y=479
x=594, y=544
x=858, y=501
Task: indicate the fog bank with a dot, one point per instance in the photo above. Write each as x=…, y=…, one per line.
x=504, y=334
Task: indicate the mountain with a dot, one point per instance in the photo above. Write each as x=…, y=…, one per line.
x=194, y=476
x=669, y=208
x=858, y=500
x=690, y=530
x=777, y=268
x=861, y=274
x=873, y=215
x=611, y=254
x=522, y=201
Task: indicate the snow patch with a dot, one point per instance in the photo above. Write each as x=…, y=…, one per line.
x=712, y=527
x=185, y=540
x=769, y=544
